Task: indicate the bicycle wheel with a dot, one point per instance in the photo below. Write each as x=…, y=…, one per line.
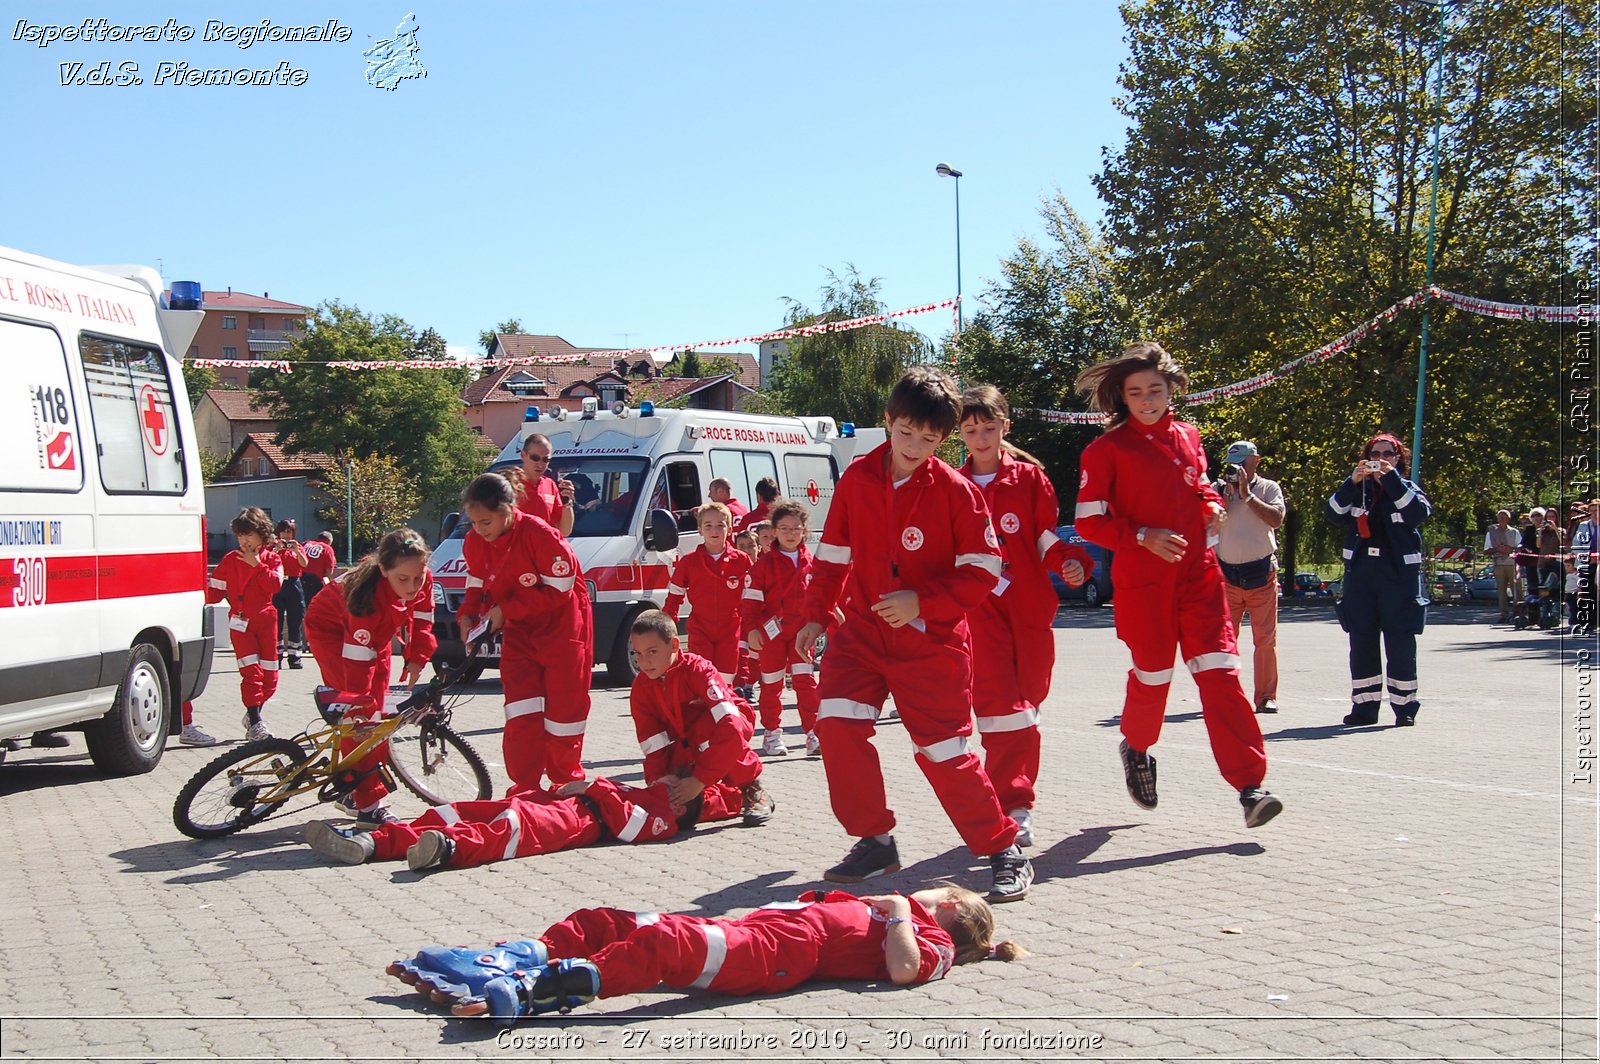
x=439, y=766
x=223, y=797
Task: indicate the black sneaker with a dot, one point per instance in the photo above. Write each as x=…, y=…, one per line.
x=867, y=858
x=1405, y=720
x=1269, y=706
x=1140, y=772
x=1260, y=806
x=758, y=804
x=1357, y=719
x=433, y=849
x=1013, y=875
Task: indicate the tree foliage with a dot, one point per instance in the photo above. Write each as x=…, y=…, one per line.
x=212, y=463
x=379, y=492
x=510, y=326
x=411, y=416
x=1273, y=192
x=198, y=380
x=847, y=375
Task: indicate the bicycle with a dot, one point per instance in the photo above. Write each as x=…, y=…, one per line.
x=256, y=781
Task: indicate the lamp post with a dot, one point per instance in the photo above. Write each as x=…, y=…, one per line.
x=946, y=170
x=1433, y=214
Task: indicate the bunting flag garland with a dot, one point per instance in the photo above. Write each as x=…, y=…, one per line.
x=244, y=363
x=1509, y=311
x=406, y=363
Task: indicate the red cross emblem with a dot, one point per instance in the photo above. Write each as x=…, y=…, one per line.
x=813, y=493
x=153, y=420
x=911, y=538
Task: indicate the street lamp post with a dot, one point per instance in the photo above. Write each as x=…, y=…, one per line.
x=1433, y=214
x=946, y=170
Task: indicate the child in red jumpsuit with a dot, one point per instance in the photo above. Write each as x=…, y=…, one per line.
x=607, y=953
x=693, y=730
x=1143, y=493
x=464, y=834
x=524, y=577
x=321, y=559
x=912, y=537
x=352, y=629
x=713, y=577
x=1013, y=644
x=249, y=578
x=774, y=613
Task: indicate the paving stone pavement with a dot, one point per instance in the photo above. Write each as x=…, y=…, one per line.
x=1428, y=893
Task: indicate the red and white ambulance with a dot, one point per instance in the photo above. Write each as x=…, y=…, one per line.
x=638, y=474
x=103, y=624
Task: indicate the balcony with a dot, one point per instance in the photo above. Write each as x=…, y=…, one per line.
x=272, y=339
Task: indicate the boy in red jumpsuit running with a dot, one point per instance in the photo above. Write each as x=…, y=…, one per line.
x=525, y=578
x=775, y=611
x=1013, y=643
x=464, y=834
x=913, y=538
x=693, y=730
x=608, y=953
x=713, y=577
x=249, y=578
x=352, y=630
x=1143, y=493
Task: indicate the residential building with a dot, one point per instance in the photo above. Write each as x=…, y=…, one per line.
x=224, y=417
x=239, y=325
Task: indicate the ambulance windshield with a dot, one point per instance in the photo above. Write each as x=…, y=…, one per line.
x=606, y=491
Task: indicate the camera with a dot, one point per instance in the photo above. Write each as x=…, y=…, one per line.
x=1374, y=466
x=1230, y=473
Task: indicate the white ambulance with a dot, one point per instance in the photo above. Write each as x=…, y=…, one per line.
x=103, y=624
x=638, y=474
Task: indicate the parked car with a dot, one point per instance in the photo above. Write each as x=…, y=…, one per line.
x=1308, y=584
x=1481, y=587
x=1095, y=590
x=1449, y=586
x=1336, y=587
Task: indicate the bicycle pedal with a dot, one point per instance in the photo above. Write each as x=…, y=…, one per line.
x=386, y=776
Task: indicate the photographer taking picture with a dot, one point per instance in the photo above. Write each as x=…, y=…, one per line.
x=1247, y=551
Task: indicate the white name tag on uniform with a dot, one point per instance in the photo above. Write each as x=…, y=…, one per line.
x=237, y=623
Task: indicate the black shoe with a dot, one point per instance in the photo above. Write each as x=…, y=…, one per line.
x=1260, y=806
x=1269, y=706
x=294, y=662
x=1405, y=720
x=758, y=804
x=1357, y=719
x=433, y=849
x=867, y=858
x=1140, y=772
x=1013, y=875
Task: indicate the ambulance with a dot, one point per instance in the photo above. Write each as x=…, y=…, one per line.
x=638, y=474
x=103, y=624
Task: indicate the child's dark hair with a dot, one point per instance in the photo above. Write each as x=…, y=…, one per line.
x=360, y=584
x=790, y=508
x=767, y=490
x=286, y=526
x=252, y=519
x=656, y=623
x=1103, y=381
x=928, y=398
x=490, y=491
x=691, y=813
x=984, y=402
x=973, y=930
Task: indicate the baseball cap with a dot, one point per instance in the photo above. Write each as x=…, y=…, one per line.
x=1238, y=452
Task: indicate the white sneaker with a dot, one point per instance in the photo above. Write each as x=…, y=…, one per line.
x=813, y=744
x=192, y=736
x=772, y=745
x=255, y=731
x=1024, y=819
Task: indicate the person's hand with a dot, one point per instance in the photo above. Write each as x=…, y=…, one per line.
x=497, y=619
x=805, y=643
x=569, y=491
x=1215, y=522
x=757, y=639
x=681, y=792
x=251, y=555
x=887, y=905
x=898, y=608
x=1072, y=573
x=465, y=624
x=412, y=673
x=574, y=787
x=1165, y=544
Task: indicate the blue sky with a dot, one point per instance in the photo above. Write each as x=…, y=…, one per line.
x=620, y=174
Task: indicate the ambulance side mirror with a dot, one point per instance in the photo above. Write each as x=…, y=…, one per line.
x=448, y=525
x=660, y=531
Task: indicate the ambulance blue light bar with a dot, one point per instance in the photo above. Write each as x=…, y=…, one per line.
x=531, y=414
x=847, y=430
x=647, y=409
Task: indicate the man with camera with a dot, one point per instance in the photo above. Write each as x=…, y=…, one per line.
x=1246, y=550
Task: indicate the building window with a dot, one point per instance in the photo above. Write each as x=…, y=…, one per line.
x=230, y=322
x=257, y=323
x=230, y=352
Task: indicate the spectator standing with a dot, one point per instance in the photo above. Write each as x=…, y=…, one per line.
x=541, y=495
x=1500, y=543
x=290, y=599
x=1380, y=511
x=1528, y=551
x=721, y=490
x=1247, y=549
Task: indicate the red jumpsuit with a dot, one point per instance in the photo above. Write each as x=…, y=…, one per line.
x=932, y=536
x=714, y=587
x=536, y=822
x=320, y=562
x=761, y=513
x=542, y=499
x=690, y=723
x=547, y=649
x=252, y=619
x=821, y=936
x=1013, y=645
x=1138, y=476
x=775, y=602
x=354, y=654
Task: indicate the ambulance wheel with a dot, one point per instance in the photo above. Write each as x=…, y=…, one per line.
x=1091, y=594
x=132, y=735
x=620, y=666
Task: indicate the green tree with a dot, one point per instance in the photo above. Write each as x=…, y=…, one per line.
x=1273, y=192
x=847, y=375
x=720, y=365
x=379, y=491
x=212, y=464
x=198, y=380
x=486, y=338
x=412, y=416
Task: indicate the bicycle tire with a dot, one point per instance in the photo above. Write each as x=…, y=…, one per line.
x=437, y=765
x=208, y=806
